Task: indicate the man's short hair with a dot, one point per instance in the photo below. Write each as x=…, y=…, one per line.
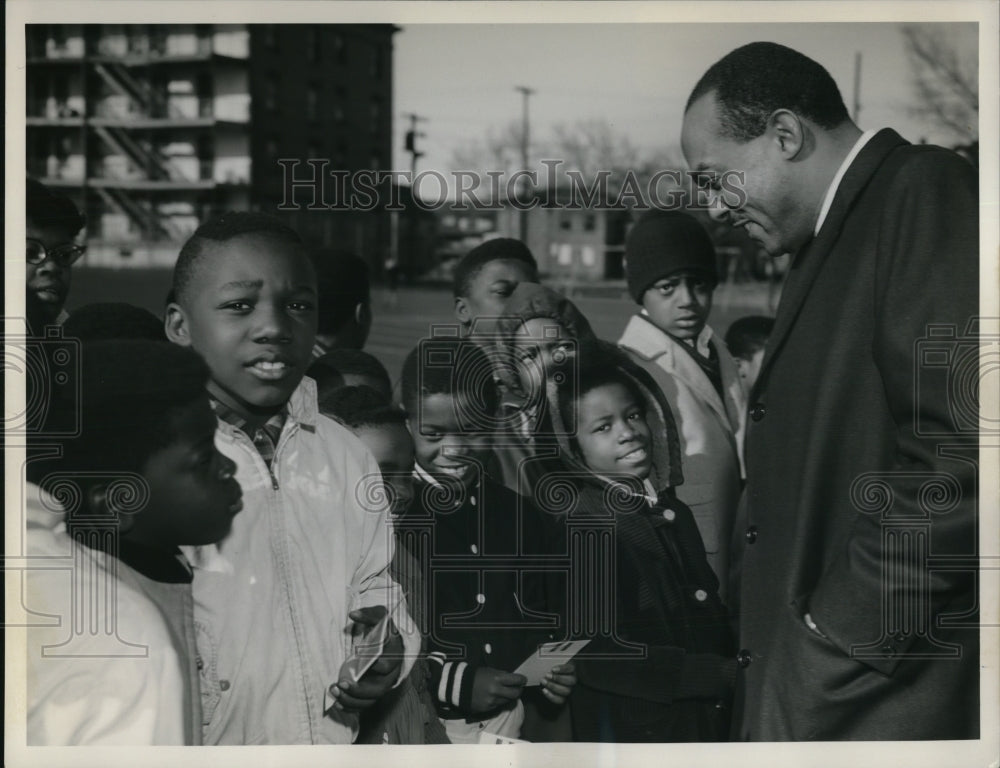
x=458, y=368
x=113, y=320
x=748, y=335
x=328, y=370
x=127, y=391
x=219, y=230
x=753, y=81
x=361, y=406
x=342, y=283
x=46, y=208
x=497, y=249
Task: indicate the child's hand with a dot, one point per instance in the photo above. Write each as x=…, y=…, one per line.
x=559, y=682
x=492, y=688
x=381, y=676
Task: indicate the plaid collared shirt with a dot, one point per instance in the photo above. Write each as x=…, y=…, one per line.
x=265, y=439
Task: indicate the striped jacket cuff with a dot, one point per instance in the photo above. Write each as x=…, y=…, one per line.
x=451, y=681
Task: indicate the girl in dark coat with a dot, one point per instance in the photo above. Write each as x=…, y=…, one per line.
x=660, y=664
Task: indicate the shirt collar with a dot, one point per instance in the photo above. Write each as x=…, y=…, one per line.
x=831, y=191
x=273, y=425
x=700, y=343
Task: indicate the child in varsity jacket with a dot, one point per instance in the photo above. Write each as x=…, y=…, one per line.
x=484, y=621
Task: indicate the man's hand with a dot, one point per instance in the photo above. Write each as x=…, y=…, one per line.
x=492, y=688
x=559, y=682
x=381, y=676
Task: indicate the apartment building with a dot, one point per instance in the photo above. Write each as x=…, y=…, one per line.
x=153, y=128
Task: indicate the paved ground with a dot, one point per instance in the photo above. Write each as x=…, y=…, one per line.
x=398, y=329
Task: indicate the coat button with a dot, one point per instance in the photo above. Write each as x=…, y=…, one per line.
x=474, y=549
x=472, y=500
x=743, y=658
x=669, y=515
x=751, y=534
x=757, y=412
x=701, y=595
x=224, y=685
x=488, y=648
x=480, y=598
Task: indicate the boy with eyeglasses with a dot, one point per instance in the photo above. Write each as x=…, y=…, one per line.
x=53, y=223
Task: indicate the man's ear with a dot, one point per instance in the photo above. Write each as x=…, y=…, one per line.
x=462, y=313
x=97, y=503
x=175, y=324
x=788, y=132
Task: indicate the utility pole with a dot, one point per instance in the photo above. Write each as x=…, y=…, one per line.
x=525, y=94
x=411, y=141
x=409, y=211
x=857, y=87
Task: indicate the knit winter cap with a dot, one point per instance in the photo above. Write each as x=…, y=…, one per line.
x=664, y=242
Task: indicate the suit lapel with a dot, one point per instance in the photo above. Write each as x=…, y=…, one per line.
x=808, y=262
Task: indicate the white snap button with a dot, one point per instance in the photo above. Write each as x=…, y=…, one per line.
x=669, y=515
x=474, y=549
x=488, y=648
x=701, y=595
x=480, y=598
x=472, y=500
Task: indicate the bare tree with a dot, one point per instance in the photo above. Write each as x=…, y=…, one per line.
x=945, y=60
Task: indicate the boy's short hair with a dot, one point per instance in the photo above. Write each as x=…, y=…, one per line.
x=497, y=249
x=748, y=335
x=329, y=369
x=458, y=368
x=342, y=283
x=46, y=208
x=113, y=320
x=219, y=230
x=361, y=406
x=127, y=391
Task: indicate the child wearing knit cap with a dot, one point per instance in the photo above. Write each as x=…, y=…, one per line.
x=671, y=274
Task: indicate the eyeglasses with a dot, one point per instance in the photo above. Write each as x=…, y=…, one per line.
x=63, y=255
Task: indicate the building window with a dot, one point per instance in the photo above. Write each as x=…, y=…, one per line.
x=376, y=62
x=376, y=115
x=565, y=222
x=339, y=49
x=270, y=36
x=271, y=147
x=312, y=44
x=339, y=105
x=589, y=222
x=271, y=93
x=312, y=102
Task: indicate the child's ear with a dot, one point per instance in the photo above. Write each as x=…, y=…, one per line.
x=175, y=325
x=362, y=314
x=462, y=313
x=97, y=503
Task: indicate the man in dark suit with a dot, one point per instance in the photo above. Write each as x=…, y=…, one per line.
x=857, y=604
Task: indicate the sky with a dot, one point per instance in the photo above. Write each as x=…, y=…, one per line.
x=462, y=77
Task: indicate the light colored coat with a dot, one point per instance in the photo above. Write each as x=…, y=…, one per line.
x=271, y=602
x=711, y=430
